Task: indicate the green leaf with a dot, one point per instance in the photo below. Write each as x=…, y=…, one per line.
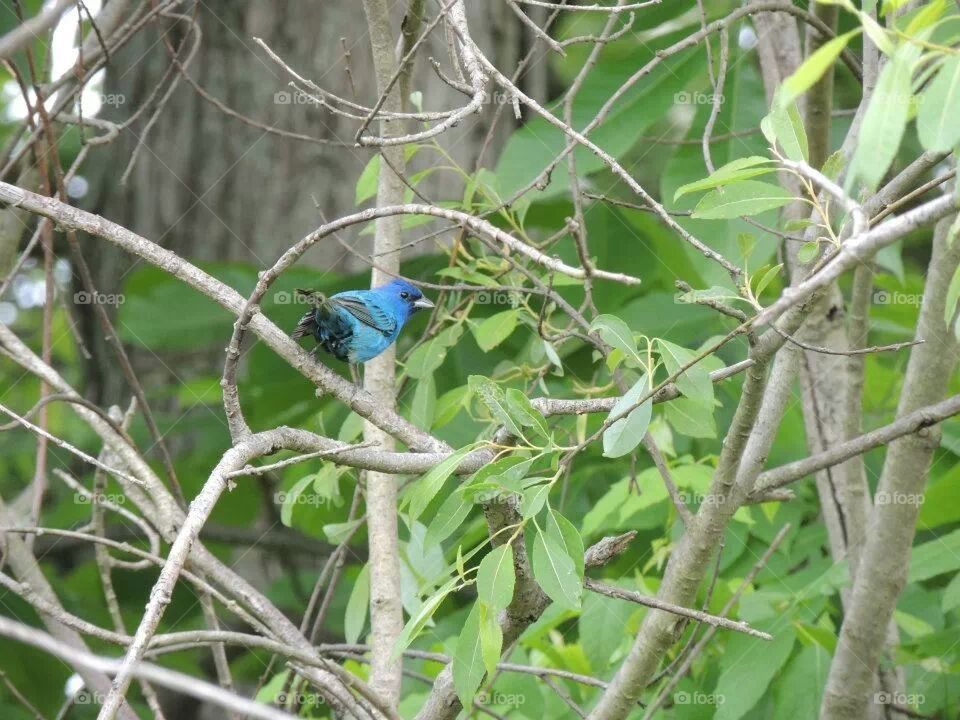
x=524, y=411
x=496, y=402
x=953, y=231
x=356, y=613
x=564, y=531
x=351, y=428
x=426, y=488
x=766, y=127
x=491, y=637
x=533, y=498
x=273, y=688
x=936, y=557
x=424, y=403
x=951, y=594
x=501, y=477
x=788, y=128
x=604, y=514
x=290, y=499
x=626, y=433
x=552, y=355
x=885, y=121
x=449, y=517
x=800, y=223
x=911, y=624
x=891, y=6
x=523, y=693
x=797, y=693
x=733, y=171
x=746, y=242
x=813, y=68
x=691, y=418
x=748, y=667
x=495, y=577
x=367, y=182
x=927, y=16
x=616, y=333
x=416, y=623
x=953, y=295
x=941, y=499
x=695, y=381
x=430, y=355
x=766, y=280
x=468, y=667
x=602, y=626
x=832, y=168
x=449, y=405
x=808, y=251
x=750, y=197
x=938, y=122
x=326, y=485
x=816, y=635
x=495, y=329
x=877, y=33
x=461, y=569
x=337, y=533
x=507, y=471
x=556, y=572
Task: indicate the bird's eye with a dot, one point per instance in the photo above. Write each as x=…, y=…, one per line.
x=404, y=295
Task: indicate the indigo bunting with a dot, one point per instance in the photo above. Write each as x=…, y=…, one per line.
x=358, y=325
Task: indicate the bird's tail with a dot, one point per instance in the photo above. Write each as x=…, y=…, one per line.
x=306, y=326
x=308, y=323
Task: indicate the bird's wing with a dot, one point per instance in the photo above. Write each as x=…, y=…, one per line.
x=370, y=314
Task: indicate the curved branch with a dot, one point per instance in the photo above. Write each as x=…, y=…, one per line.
x=180, y=682
x=359, y=401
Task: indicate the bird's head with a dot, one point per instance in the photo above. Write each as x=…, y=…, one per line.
x=405, y=296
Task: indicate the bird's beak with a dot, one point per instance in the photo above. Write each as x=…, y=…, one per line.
x=422, y=303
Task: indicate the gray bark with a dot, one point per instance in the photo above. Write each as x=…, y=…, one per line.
x=379, y=379
x=886, y=554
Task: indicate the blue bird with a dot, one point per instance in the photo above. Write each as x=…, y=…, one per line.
x=358, y=325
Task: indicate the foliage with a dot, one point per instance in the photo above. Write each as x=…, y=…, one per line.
x=474, y=367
